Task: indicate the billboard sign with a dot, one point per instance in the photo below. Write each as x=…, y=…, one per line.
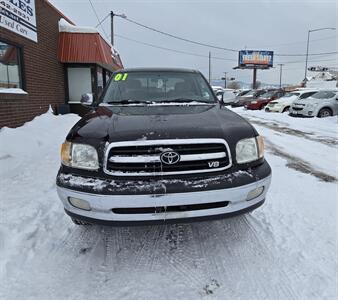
x=252, y=58
x=19, y=16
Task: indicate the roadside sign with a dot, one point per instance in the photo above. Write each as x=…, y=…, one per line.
x=255, y=58
x=19, y=17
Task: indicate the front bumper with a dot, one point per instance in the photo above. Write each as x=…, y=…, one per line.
x=103, y=207
x=305, y=112
x=253, y=106
x=274, y=108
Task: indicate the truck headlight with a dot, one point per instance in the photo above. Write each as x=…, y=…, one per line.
x=248, y=150
x=79, y=156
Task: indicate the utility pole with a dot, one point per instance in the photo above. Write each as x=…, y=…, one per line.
x=280, y=74
x=112, y=27
x=225, y=80
x=308, y=43
x=307, y=54
x=112, y=15
x=209, y=67
x=254, y=78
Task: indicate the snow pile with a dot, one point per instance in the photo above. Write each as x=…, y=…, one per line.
x=323, y=80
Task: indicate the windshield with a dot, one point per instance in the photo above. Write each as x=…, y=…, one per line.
x=250, y=93
x=243, y=93
x=291, y=95
x=324, y=95
x=157, y=86
x=268, y=94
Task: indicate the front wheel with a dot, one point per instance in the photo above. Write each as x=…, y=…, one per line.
x=286, y=109
x=324, y=112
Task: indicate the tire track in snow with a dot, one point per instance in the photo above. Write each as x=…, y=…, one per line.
x=328, y=141
x=284, y=278
x=181, y=256
x=299, y=164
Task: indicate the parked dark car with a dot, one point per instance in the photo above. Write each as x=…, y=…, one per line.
x=247, y=98
x=158, y=147
x=264, y=99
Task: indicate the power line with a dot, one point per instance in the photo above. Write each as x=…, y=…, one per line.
x=98, y=19
x=194, y=42
x=202, y=55
x=173, y=50
x=301, y=42
x=210, y=45
x=206, y=56
x=312, y=60
x=180, y=38
x=105, y=18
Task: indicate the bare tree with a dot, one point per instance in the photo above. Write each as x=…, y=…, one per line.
x=233, y=85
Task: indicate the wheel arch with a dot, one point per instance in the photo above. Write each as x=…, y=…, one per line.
x=325, y=107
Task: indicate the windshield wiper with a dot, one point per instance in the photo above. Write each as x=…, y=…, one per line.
x=186, y=100
x=129, y=101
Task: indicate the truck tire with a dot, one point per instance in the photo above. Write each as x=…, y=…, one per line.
x=325, y=112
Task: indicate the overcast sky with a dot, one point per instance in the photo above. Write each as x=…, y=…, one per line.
x=280, y=26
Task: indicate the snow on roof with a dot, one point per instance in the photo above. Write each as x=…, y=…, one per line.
x=64, y=26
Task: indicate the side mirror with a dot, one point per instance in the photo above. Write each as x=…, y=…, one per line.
x=87, y=99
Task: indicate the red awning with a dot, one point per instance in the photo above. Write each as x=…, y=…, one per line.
x=87, y=48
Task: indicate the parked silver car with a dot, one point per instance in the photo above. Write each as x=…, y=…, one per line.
x=322, y=104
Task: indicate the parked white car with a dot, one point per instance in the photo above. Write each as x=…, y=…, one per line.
x=217, y=89
x=284, y=103
x=228, y=96
x=322, y=104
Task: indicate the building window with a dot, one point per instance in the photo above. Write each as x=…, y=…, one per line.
x=10, y=66
x=79, y=83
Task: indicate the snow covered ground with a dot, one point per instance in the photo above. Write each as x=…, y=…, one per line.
x=287, y=249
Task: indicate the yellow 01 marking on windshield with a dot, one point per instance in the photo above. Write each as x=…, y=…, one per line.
x=120, y=76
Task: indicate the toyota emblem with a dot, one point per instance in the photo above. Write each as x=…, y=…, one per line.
x=170, y=157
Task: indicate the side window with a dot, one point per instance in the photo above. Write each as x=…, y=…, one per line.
x=10, y=66
x=306, y=95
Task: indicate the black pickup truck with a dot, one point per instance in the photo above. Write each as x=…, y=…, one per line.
x=158, y=147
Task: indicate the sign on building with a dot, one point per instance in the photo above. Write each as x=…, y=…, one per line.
x=255, y=58
x=19, y=16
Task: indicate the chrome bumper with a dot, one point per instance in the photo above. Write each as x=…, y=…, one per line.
x=102, y=205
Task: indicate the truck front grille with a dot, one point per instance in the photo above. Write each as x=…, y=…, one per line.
x=167, y=157
x=297, y=108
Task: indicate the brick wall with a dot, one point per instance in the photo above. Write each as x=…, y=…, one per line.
x=44, y=75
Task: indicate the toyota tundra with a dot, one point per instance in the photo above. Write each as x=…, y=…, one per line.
x=157, y=146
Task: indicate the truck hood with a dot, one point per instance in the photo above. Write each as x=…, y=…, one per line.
x=141, y=122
